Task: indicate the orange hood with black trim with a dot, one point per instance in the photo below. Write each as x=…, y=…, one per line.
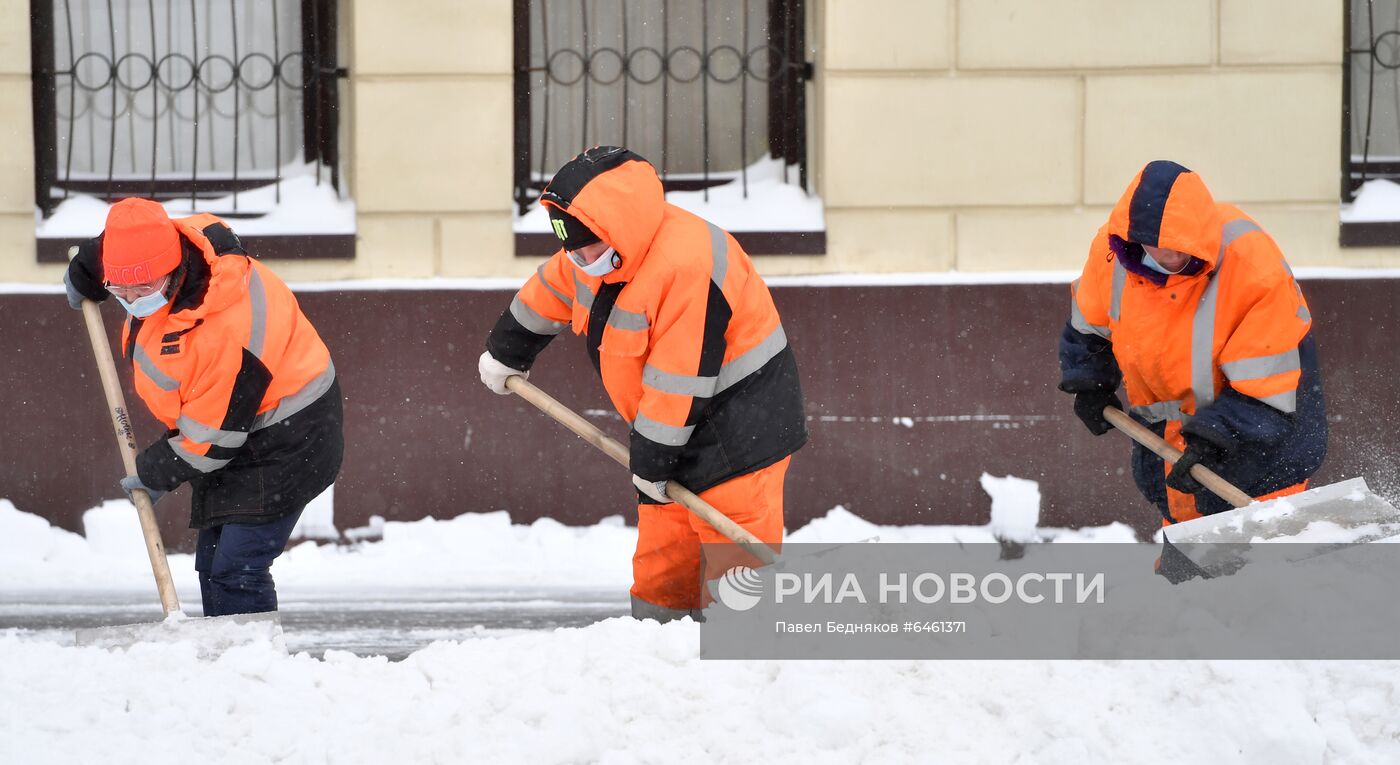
x=1168, y=206
x=618, y=196
x=228, y=277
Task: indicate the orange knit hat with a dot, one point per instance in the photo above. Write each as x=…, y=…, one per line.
x=140, y=243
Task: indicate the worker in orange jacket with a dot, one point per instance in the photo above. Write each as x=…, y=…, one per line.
x=688, y=343
x=1191, y=306
x=223, y=356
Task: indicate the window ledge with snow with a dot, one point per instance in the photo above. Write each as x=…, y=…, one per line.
x=304, y=219
x=1373, y=218
x=774, y=217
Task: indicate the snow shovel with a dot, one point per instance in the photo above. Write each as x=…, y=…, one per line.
x=1343, y=513
x=126, y=443
x=213, y=633
x=687, y=499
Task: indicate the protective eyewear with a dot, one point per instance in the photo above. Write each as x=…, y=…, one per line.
x=129, y=291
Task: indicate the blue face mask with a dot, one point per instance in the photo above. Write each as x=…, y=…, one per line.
x=144, y=306
x=1151, y=262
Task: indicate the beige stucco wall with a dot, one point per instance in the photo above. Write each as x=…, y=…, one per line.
x=944, y=134
x=1018, y=124
x=432, y=137
x=17, y=135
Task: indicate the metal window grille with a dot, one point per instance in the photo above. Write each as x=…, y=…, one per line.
x=1371, y=94
x=701, y=88
x=174, y=98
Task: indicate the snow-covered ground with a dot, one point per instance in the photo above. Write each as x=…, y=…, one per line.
x=626, y=692
x=622, y=691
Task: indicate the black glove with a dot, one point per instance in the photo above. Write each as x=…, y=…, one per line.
x=83, y=279
x=132, y=483
x=1198, y=452
x=1089, y=405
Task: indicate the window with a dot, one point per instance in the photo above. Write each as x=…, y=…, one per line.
x=205, y=105
x=711, y=92
x=1371, y=125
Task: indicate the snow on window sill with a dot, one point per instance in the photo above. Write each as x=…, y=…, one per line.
x=1373, y=218
x=310, y=220
x=774, y=218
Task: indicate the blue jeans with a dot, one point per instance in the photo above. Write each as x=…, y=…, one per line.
x=234, y=562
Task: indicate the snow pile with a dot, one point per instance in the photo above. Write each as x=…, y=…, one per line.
x=211, y=638
x=472, y=549
x=841, y=525
x=317, y=519
x=28, y=540
x=1015, y=507
x=623, y=691
x=1015, y=517
x=109, y=555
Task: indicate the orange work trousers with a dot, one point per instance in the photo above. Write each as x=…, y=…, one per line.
x=669, y=569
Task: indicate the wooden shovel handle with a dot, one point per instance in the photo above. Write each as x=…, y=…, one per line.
x=1208, y=478
x=687, y=498
x=126, y=443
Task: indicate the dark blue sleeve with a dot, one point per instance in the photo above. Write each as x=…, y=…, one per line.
x=1235, y=418
x=1087, y=363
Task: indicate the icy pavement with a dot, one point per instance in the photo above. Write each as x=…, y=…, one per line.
x=389, y=623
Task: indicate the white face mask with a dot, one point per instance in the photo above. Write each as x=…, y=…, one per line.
x=1151, y=262
x=606, y=263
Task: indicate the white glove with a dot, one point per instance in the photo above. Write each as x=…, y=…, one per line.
x=132, y=483
x=654, y=489
x=494, y=373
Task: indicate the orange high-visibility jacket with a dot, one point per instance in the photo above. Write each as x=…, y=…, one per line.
x=684, y=332
x=1221, y=351
x=228, y=365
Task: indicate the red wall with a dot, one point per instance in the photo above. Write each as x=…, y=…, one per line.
x=424, y=438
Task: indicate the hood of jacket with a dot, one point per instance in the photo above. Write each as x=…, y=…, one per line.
x=618, y=196
x=211, y=282
x=1167, y=206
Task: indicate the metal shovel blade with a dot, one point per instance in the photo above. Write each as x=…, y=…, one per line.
x=1329, y=517
x=1344, y=512
x=210, y=635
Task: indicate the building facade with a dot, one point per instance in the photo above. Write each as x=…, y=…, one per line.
x=939, y=137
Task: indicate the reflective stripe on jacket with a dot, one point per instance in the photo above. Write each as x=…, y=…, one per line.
x=684, y=332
